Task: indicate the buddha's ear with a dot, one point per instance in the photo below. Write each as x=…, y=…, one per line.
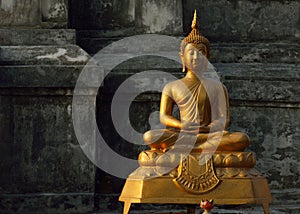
x=182, y=61
x=181, y=57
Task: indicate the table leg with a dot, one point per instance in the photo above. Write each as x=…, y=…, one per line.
x=126, y=207
x=266, y=208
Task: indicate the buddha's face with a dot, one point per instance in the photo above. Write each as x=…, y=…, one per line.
x=194, y=59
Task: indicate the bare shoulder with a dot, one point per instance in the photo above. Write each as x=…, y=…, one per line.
x=171, y=86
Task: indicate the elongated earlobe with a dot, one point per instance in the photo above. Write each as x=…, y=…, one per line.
x=183, y=69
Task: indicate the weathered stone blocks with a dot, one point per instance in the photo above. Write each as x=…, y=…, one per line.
x=34, y=13
x=244, y=20
x=150, y=16
x=9, y=37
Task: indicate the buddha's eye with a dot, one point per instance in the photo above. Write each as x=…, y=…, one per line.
x=202, y=52
x=191, y=52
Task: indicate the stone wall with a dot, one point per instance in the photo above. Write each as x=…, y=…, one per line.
x=128, y=16
x=246, y=20
x=255, y=48
x=34, y=13
x=222, y=21
x=42, y=165
x=38, y=146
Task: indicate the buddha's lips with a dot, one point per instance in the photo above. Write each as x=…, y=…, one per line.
x=196, y=63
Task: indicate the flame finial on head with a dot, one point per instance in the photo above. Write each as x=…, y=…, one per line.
x=195, y=23
x=195, y=37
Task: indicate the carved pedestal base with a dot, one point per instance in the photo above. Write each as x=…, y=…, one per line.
x=227, y=178
x=229, y=191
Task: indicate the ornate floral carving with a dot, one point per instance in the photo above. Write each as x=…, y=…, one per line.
x=195, y=178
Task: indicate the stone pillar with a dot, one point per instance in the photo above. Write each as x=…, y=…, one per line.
x=19, y=13
x=54, y=13
x=101, y=22
x=161, y=16
x=147, y=16
x=34, y=13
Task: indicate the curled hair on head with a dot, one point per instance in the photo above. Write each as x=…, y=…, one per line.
x=195, y=38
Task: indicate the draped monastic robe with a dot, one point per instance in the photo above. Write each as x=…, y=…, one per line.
x=204, y=103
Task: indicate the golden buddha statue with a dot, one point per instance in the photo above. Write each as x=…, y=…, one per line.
x=190, y=95
x=173, y=171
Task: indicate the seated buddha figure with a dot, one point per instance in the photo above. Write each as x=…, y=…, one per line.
x=202, y=102
x=182, y=166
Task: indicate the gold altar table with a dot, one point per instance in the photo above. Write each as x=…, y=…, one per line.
x=237, y=185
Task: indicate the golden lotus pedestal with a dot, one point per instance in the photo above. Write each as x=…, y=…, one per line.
x=238, y=183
